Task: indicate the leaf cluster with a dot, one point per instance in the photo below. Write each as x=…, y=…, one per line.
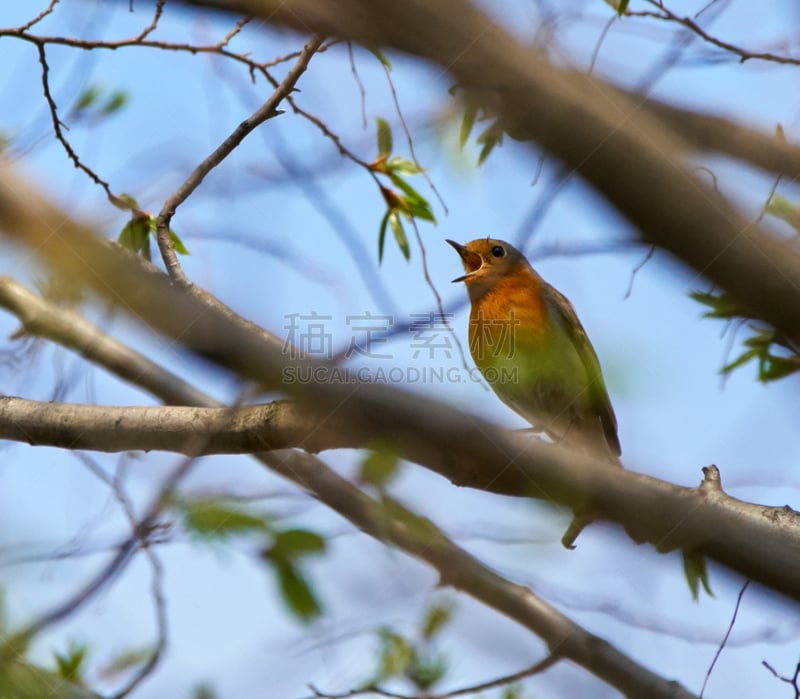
x=137, y=232
x=283, y=550
x=774, y=354
x=414, y=657
x=96, y=102
x=402, y=200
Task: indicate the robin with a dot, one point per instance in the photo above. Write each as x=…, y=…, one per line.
x=528, y=343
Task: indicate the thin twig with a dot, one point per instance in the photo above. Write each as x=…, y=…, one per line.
x=233, y=32
x=157, y=578
x=123, y=556
x=599, y=43
x=360, y=84
x=789, y=680
x=724, y=638
x=52, y=6
x=666, y=14
x=439, y=304
x=268, y=110
x=539, y=667
x=152, y=26
x=409, y=139
x=58, y=126
x=637, y=269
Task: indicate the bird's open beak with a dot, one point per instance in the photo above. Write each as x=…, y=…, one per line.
x=472, y=260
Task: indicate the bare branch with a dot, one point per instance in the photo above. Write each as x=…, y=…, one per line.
x=268, y=110
x=668, y=15
x=724, y=638
x=12, y=645
x=157, y=583
x=58, y=127
x=473, y=689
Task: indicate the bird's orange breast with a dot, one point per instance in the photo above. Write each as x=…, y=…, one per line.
x=511, y=314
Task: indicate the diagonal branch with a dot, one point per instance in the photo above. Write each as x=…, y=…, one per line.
x=395, y=526
x=266, y=111
x=609, y=137
x=467, y=450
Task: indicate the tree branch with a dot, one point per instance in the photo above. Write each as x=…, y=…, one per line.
x=266, y=111
x=610, y=138
x=396, y=526
x=465, y=449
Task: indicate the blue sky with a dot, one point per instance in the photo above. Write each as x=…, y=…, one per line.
x=660, y=358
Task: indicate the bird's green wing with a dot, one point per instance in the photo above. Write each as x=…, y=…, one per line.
x=563, y=313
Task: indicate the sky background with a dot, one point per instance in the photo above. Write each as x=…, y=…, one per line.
x=286, y=226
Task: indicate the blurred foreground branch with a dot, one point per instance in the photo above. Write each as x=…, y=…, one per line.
x=468, y=451
x=386, y=521
x=635, y=155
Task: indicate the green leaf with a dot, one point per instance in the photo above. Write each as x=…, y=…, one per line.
x=774, y=367
x=378, y=468
x=694, y=568
x=721, y=305
x=384, y=137
x=489, y=139
x=467, y=123
x=293, y=543
x=781, y=208
x=426, y=671
x=70, y=664
x=741, y=360
x=212, y=519
x=396, y=654
x=118, y=99
x=406, y=167
x=204, y=691
x=436, y=618
x=622, y=5
x=399, y=234
x=180, y=248
x=418, y=206
x=382, y=234
x=296, y=591
x=136, y=236
x=87, y=98
x=381, y=57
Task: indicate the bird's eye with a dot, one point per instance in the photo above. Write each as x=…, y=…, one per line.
x=498, y=251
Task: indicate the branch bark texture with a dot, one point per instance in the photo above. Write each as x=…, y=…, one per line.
x=387, y=521
x=465, y=449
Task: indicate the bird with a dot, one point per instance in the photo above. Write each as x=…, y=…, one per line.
x=532, y=350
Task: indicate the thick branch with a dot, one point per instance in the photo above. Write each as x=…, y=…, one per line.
x=691, y=518
x=396, y=526
x=72, y=330
x=401, y=527
x=625, y=152
x=466, y=450
x=192, y=431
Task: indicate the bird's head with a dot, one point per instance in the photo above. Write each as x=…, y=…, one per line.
x=486, y=261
